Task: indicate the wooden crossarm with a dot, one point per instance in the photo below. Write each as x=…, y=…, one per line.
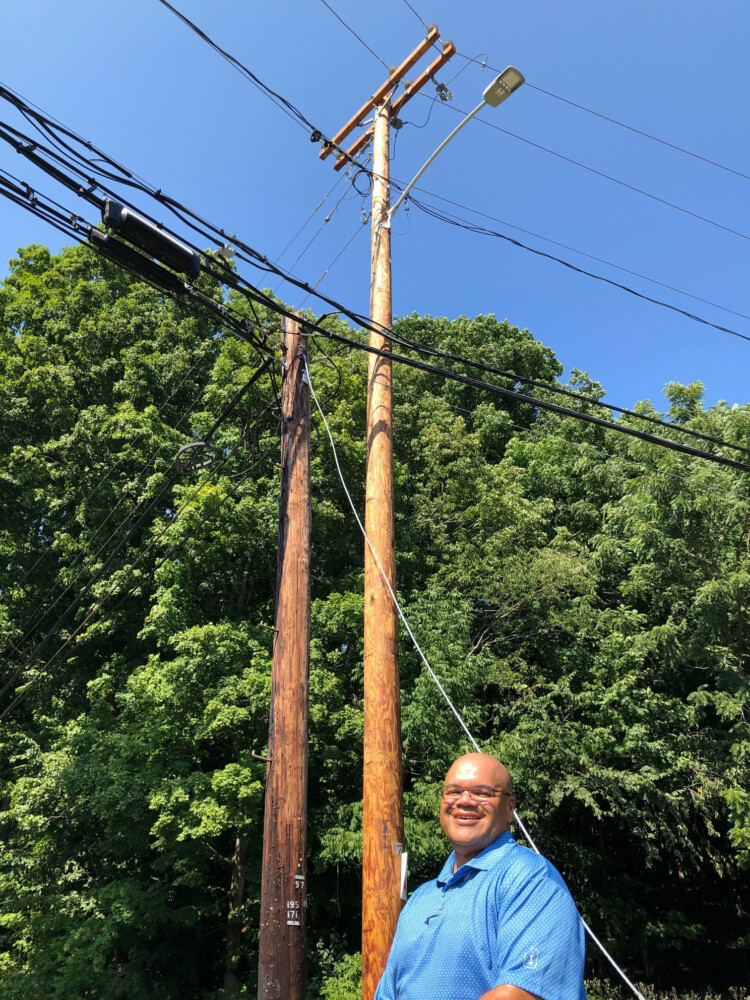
x=395, y=77
x=449, y=49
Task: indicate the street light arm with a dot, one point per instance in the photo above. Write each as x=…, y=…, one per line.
x=437, y=152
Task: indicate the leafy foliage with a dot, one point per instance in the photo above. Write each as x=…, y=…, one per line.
x=582, y=596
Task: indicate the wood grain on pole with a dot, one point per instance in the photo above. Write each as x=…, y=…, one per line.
x=382, y=821
x=281, y=964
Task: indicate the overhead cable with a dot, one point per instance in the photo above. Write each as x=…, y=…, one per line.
x=483, y=230
x=258, y=259
x=417, y=14
x=582, y=253
x=223, y=273
x=535, y=402
x=260, y=297
x=286, y=106
x=359, y=38
x=118, y=583
x=605, y=176
x=613, y=121
x=646, y=135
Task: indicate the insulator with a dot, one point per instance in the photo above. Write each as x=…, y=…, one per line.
x=135, y=229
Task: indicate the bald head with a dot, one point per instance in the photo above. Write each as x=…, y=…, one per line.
x=481, y=769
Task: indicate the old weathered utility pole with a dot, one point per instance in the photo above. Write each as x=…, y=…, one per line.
x=281, y=964
x=383, y=812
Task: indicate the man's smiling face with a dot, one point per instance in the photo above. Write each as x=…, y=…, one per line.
x=473, y=822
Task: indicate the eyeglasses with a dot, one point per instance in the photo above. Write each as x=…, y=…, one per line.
x=452, y=793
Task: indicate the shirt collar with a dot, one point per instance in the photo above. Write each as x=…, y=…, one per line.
x=487, y=858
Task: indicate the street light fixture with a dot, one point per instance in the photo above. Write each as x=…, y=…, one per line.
x=495, y=93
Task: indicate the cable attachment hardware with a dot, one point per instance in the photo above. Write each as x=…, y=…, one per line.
x=194, y=456
x=316, y=135
x=396, y=123
x=226, y=252
x=443, y=93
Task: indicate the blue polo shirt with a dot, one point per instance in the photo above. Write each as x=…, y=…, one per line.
x=504, y=917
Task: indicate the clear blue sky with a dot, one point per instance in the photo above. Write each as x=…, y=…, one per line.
x=136, y=82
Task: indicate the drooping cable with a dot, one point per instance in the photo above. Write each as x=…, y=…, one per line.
x=254, y=294
x=226, y=275
x=582, y=253
x=483, y=230
x=140, y=522
x=77, y=631
x=260, y=261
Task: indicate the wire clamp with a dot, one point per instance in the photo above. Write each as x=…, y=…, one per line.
x=194, y=456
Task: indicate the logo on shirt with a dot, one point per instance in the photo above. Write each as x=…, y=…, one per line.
x=531, y=959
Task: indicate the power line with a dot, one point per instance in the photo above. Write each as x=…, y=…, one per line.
x=538, y=438
x=605, y=176
x=341, y=177
x=557, y=389
x=646, y=135
x=286, y=106
x=562, y=391
x=358, y=37
x=177, y=209
x=108, y=478
x=579, y=270
x=338, y=256
x=417, y=15
x=224, y=415
x=315, y=235
x=254, y=294
x=535, y=402
x=281, y=102
x=583, y=253
x=611, y=120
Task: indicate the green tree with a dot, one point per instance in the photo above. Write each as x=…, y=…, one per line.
x=582, y=597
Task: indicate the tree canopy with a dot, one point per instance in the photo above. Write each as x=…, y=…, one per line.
x=581, y=595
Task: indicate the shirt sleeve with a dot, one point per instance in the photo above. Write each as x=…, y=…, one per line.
x=540, y=940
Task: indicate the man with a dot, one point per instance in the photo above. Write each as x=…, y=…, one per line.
x=498, y=923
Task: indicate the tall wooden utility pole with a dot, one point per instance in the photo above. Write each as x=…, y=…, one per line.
x=382, y=804
x=383, y=811
x=281, y=964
